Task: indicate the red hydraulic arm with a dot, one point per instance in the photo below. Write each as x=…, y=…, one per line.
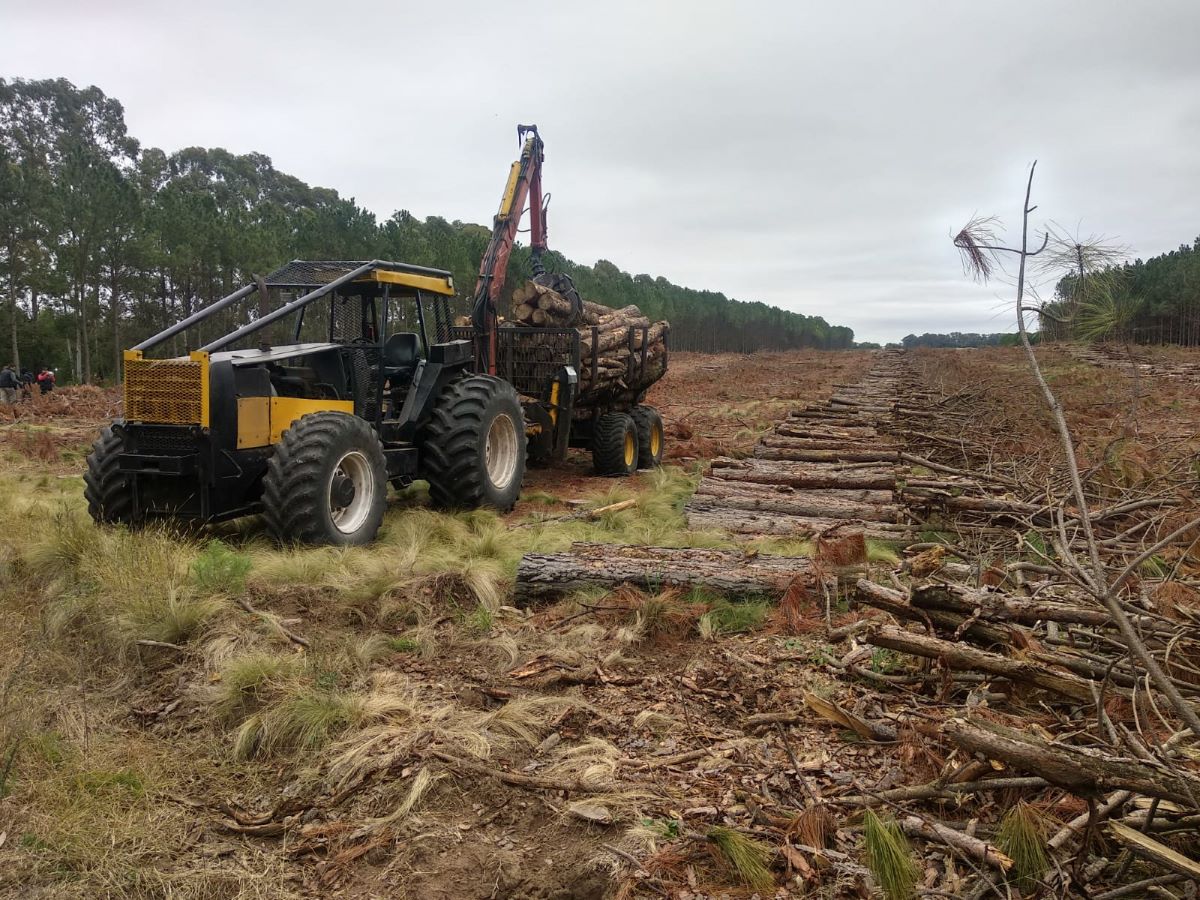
x=524, y=185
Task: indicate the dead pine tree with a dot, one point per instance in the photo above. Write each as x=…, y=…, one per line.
x=981, y=255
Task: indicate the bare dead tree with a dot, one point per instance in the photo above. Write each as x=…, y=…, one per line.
x=980, y=255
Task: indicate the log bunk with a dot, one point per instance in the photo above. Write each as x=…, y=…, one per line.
x=621, y=351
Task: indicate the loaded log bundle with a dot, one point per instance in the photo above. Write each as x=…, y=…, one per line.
x=621, y=351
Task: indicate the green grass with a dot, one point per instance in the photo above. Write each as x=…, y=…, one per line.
x=220, y=570
x=304, y=720
x=889, y=857
x=247, y=682
x=171, y=617
x=749, y=858
x=1022, y=837
x=725, y=617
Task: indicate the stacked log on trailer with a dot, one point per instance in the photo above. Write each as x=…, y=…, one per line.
x=621, y=351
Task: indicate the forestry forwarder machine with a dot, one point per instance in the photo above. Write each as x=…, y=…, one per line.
x=309, y=432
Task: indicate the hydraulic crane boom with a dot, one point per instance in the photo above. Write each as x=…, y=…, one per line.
x=524, y=185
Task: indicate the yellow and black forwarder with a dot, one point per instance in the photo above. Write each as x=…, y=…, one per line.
x=372, y=383
x=310, y=431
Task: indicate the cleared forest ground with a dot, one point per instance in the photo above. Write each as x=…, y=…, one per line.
x=205, y=715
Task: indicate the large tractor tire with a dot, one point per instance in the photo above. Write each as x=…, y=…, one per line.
x=473, y=448
x=107, y=489
x=327, y=482
x=649, y=427
x=615, y=445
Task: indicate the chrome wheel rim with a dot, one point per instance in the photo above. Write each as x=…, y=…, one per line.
x=500, y=451
x=350, y=517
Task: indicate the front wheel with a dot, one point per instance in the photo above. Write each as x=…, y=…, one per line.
x=473, y=448
x=327, y=482
x=107, y=489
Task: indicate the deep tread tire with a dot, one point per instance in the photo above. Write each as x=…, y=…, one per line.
x=611, y=437
x=650, y=436
x=453, y=445
x=296, y=488
x=107, y=490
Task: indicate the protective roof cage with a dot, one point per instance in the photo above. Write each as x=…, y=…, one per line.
x=314, y=280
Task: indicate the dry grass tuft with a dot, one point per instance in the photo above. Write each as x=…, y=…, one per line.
x=814, y=827
x=846, y=549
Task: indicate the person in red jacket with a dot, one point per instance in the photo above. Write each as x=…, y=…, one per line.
x=46, y=380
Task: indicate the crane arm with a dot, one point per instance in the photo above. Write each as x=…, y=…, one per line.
x=524, y=186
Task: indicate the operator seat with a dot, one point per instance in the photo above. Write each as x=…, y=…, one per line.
x=402, y=350
x=401, y=353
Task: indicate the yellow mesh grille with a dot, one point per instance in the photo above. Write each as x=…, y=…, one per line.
x=170, y=391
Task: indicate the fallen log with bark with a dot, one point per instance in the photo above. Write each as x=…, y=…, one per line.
x=1082, y=770
x=730, y=573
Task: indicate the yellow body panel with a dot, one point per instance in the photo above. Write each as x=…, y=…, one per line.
x=253, y=422
x=286, y=410
x=554, y=403
x=431, y=283
x=167, y=391
x=510, y=190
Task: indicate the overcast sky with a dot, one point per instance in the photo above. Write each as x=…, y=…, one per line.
x=812, y=155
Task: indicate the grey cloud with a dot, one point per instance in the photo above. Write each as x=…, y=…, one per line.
x=814, y=156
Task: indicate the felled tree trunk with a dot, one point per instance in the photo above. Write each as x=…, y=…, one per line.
x=958, y=655
x=870, y=505
x=804, y=475
x=1078, y=769
x=545, y=576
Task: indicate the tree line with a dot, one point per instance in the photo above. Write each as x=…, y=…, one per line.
x=959, y=339
x=1153, y=301
x=104, y=242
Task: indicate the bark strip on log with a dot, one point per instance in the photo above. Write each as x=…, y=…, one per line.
x=702, y=515
x=871, y=505
x=799, y=475
x=769, y=448
x=542, y=576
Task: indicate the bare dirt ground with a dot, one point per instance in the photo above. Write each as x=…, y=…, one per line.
x=382, y=723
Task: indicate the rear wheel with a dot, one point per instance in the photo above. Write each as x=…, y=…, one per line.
x=615, y=445
x=107, y=489
x=649, y=427
x=473, y=448
x=327, y=482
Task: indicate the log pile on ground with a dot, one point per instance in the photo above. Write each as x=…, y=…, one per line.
x=993, y=654
x=1135, y=360
x=827, y=466
x=1000, y=693
x=622, y=352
